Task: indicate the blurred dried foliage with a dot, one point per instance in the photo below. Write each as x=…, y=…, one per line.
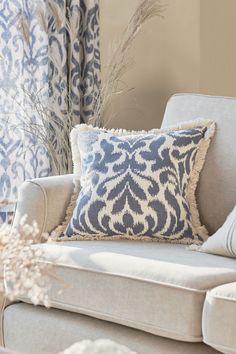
x=25, y=274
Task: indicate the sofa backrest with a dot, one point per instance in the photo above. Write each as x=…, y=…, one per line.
x=216, y=194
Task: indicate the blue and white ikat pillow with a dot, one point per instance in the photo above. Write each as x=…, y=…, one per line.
x=139, y=185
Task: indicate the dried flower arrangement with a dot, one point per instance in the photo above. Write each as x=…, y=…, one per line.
x=25, y=274
x=119, y=61
x=53, y=121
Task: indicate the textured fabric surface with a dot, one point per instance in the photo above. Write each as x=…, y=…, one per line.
x=216, y=194
x=156, y=287
x=44, y=200
x=139, y=184
x=223, y=242
x=61, y=74
x=81, y=61
x=74, y=71
x=25, y=66
x=33, y=330
x=219, y=318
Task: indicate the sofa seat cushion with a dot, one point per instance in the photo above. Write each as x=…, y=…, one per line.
x=156, y=287
x=219, y=318
x=36, y=330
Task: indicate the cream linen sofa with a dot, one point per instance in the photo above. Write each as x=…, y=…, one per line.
x=154, y=298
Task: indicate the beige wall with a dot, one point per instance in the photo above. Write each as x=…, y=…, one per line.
x=193, y=49
x=218, y=47
x=167, y=59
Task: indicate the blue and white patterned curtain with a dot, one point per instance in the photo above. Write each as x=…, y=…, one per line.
x=53, y=53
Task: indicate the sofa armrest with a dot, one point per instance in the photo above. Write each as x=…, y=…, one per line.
x=45, y=201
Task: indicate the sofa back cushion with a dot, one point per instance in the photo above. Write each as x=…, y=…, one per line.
x=216, y=194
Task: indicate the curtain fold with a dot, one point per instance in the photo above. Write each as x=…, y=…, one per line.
x=48, y=53
x=74, y=75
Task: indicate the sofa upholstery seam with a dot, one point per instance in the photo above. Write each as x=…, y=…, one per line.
x=230, y=98
x=224, y=298
x=168, y=285
x=217, y=345
x=112, y=317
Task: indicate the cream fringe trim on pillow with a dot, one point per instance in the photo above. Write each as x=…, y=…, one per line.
x=198, y=228
x=194, y=247
x=97, y=237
